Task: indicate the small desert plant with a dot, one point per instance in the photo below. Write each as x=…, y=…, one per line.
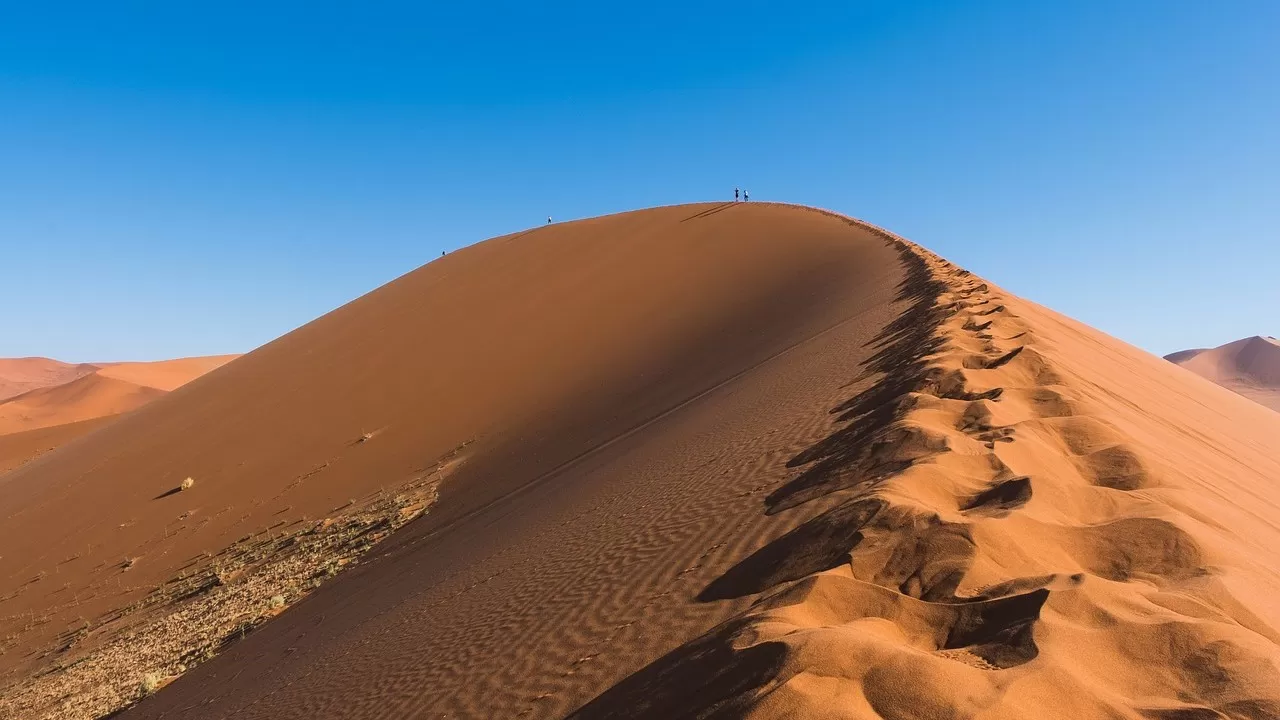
x=150, y=683
x=186, y=484
x=276, y=602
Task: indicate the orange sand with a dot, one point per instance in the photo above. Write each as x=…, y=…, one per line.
x=737, y=459
x=81, y=392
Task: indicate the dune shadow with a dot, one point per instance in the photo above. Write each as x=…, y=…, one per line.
x=711, y=211
x=820, y=544
x=706, y=678
x=840, y=461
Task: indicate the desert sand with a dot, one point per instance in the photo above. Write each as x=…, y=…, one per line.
x=19, y=375
x=737, y=460
x=63, y=393
x=1250, y=367
x=58, y=402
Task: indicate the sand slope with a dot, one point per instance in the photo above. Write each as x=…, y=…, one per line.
x=73, y=393
x=736, y=460
x=1250, y=367
x=164, y=375
x=516, y=368
x=20, y=375
x=1036, y=520
x=21, y=447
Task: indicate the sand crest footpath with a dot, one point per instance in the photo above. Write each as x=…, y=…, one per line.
x=706, y=460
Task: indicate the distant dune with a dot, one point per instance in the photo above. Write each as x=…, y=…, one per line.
x=705, y=460
x=164, y=375
x=65, y=396
x=1250, y=367
x=20, y=375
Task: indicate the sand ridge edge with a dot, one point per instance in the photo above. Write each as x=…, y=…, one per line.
x=1002, y=550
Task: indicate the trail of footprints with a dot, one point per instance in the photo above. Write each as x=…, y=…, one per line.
x=980, y=393
x=972, y=444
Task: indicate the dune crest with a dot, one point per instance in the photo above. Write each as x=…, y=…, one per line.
x=1248, y=367
x=1034, y=521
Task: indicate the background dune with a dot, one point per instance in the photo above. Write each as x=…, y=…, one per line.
x=738, y=459
x=1250, y=367
x=86, y=397
x=62, y=401
x=19, y=375
x=164, y=375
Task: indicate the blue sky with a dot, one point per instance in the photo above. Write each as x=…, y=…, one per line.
x=180, y=180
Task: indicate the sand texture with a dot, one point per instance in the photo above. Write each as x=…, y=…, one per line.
x=707, y=460
x=1249, y=367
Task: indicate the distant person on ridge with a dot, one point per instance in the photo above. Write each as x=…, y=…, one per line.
x=548, y=219
x=746, y=196
x=735, y=194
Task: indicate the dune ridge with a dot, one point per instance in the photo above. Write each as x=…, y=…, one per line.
x=1013, y=541
x=600, y=381
x=859, y=482
x=1248, y=367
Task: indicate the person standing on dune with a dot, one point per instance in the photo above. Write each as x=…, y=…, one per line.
x=746, y=196
x=735, y=194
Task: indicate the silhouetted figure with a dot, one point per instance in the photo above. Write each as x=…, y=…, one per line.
x=548, y=219
x=735, y=194
x=746, y=196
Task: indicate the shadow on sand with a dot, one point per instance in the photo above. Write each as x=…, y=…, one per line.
x=707, y=677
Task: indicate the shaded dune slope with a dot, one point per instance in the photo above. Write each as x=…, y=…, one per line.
x=1249, y=367
x=1035, y=520
x=550, y=376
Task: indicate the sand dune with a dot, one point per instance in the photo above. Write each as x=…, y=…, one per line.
x=20, y=375
x=85, y=397
x=748, y=460
x=164, y=375
x=21, y=447
x=73, y=393
x=1250, y=367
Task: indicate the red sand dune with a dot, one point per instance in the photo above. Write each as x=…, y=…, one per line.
x=737, y=459
x=1250, y=367
x=65, y=401
x=86, y=397
x=97, y=390
x=164, y=375
x=20, y=375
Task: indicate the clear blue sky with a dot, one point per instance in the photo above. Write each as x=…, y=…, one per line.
x=178, y=180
